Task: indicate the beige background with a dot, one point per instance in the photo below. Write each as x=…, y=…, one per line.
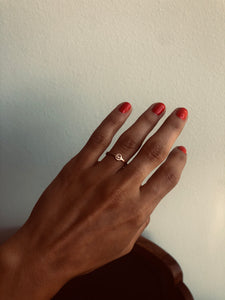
x=66, y=64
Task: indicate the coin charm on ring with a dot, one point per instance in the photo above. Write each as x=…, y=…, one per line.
x=118, y=156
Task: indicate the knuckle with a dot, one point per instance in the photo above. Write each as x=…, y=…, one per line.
x=155, y=152
x=140, y=217
x=112, y=119
x=146, y=117
x=175, y=124
x=99, y=138
x=172, y=177
x=127, y=143
x=155, y=191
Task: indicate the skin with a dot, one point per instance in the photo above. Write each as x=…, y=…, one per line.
x=93, y=211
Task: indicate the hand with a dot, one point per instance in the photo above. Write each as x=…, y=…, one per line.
x=94, y=211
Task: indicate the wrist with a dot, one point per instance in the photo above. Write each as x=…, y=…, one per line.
x=15, y=280
x=25, y=273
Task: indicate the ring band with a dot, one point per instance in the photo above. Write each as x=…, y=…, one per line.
x=117, y=156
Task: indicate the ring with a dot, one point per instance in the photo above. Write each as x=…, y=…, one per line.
x=118, y=157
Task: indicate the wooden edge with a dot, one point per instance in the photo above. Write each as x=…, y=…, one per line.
x=145, y=248
x=183, y=290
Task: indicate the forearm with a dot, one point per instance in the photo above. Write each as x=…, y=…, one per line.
x=24, y=275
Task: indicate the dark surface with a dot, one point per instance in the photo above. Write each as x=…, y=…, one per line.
x=147, y=272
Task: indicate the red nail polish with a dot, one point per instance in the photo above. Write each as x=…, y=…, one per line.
x=158, y=108
x=182, y=148
x=182, y=113
x=125, y=107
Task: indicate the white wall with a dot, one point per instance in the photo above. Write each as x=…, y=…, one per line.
x=66, y=64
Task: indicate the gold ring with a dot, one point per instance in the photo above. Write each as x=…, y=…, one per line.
x=117, y=156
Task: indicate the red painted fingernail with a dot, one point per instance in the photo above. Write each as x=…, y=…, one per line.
x=182, y=148
x=158, y=108
x=125, y=107
x=182, y=113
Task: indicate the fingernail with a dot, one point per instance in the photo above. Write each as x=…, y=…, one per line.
x=182, y=113
x=182, y=148
x=158, y=108
x=125, y=107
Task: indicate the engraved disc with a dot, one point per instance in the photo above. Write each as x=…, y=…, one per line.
x=118, y=156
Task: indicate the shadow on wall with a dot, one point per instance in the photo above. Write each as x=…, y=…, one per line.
x=39, y=135
x=36, y=119
x=6, y=233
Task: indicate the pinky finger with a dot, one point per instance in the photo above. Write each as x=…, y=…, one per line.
x=163, y=180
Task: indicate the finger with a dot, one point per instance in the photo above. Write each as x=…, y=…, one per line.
x=103, y=134
x=157, y=148
x=163, y=180
x=131, y=140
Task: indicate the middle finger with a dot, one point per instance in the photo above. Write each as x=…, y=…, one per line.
x=131, y=140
